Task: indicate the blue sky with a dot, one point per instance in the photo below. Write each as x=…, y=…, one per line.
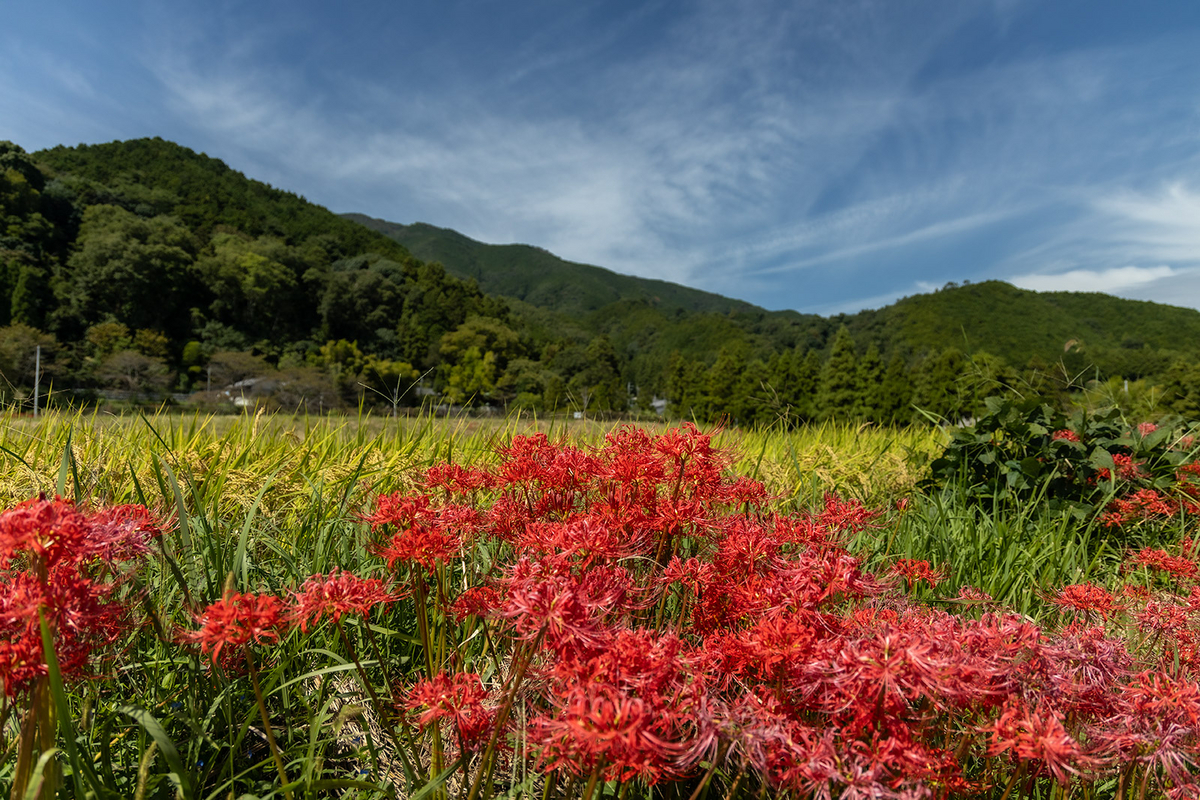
x=823, y=156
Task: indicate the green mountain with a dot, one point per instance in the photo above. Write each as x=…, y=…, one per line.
x=540, y=278
x=1019, y=324
x=145, y=266
x=639, y=314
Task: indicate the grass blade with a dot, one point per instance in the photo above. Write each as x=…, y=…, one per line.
x=153, y=727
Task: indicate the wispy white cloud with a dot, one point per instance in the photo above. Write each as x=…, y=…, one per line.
x=763, y=150
x=1160, y=225
x=1110, y=236
x=1113, y=280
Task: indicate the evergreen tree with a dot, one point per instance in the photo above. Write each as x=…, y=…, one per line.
x=685, y=387
x=722, y=386
x=896, y=392
x=870, y=405
x=1181, y=388
x=753, y=401
x=808, y=387
x=936, y=384
x=839, y=394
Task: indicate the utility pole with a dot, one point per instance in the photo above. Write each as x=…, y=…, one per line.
x=37, y=369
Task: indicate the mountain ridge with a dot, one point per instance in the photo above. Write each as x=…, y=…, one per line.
x=148, y=250
x=521, y=271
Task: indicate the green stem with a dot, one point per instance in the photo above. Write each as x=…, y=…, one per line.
x=593, y=780
x=262, y=710
x=1013, y=782
x=379, y=708
x=488, y=761
x=435, y=766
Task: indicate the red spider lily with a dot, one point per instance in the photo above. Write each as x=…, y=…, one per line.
x=1146, y=428
x=622, y=732
x=745, y=491
x=460, y=698
x=1127, y=468
x=1077, y=670
x=1066, y=435
x=850, y=516
x=476, y=601
x=123, y=533
x=1178, y=566
x=426, y=548
x=237, y=620
x=1036, y=735
x=56, y=545
x=783, y=654
x=81, y=611
x=627, y=707
x=52, y=530
x=1141, y=505
x=592, y=541
x=691, y=573
x=913, y=571
x=544, y=598
x=630, y=461
x=338, y=594
x=457, y=479
x=1086, y=597
x=686, y=443
x=401, y=510
x=974, y=596
x=428, y=533
x=1157, y=723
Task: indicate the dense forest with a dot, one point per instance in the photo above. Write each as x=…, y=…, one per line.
x=146, y=271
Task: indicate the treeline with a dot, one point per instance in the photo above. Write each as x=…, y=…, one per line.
x=142, y=269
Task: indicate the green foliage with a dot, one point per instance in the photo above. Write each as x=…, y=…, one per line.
x=540, y=278
x=137, y=270
x=18, y=348
x=840, y=389
x=474, y=376
x=1019, y=452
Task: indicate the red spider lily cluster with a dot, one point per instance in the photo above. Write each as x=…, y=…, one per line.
x=238, y=620
x=66, y=564
x=654, y=620
x=1150, y=504
x=631, y=612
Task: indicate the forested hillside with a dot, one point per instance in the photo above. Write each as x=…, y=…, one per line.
x=541, y=278
x=144, y=268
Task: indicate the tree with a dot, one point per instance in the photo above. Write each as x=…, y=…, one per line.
x=18, y=349
x=362, y=296
x=393, y=381
x=808, y=387
x=1181, y=388
x=839, y=393
x=305, y=389
x=599, y=386
x=896, y=392
x=936, y=389
x=108, y=338
x=134, y=372
x=136, y=270
x=870, y=404
x=473, y=376
x=485, y=335
x=753, y=401
x=226, y=368
x=685, y=383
